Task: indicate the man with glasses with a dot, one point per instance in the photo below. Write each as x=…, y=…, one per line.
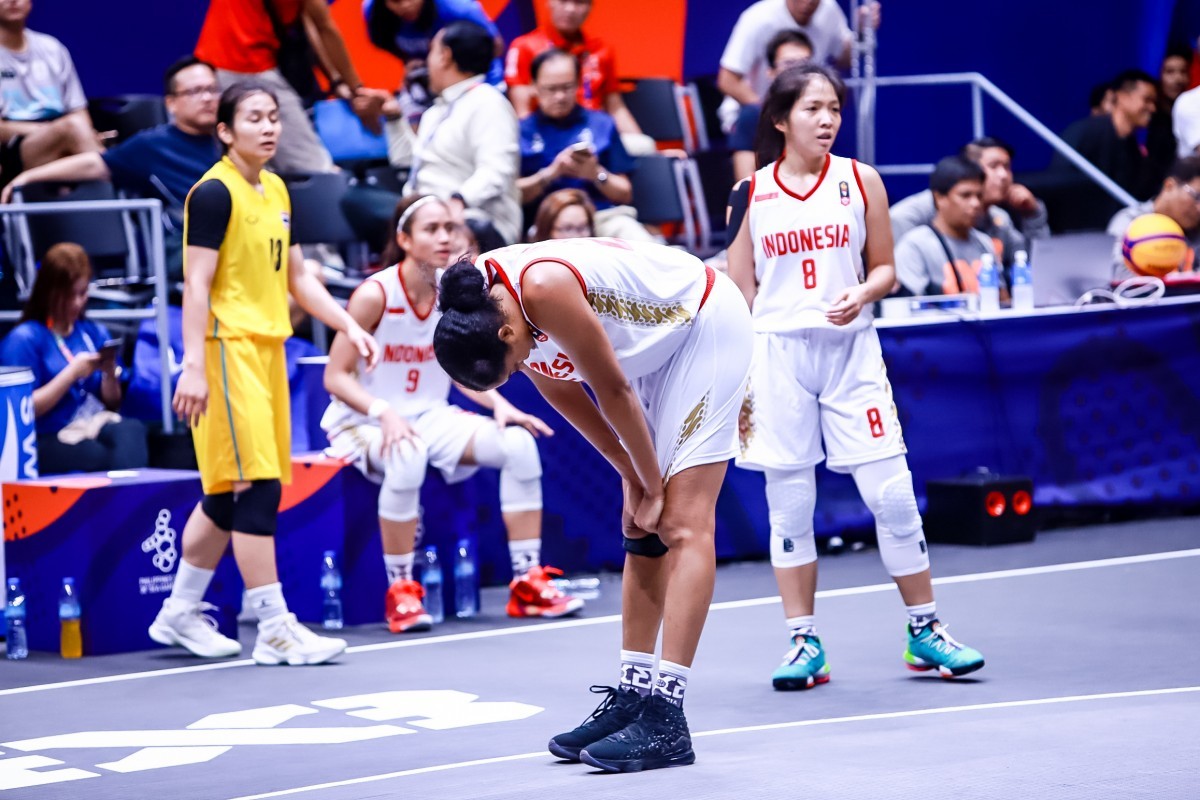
x=1178, y=199
x=162, y=162
x=566, y=146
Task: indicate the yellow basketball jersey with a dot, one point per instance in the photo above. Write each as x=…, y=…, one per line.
x=250, y=286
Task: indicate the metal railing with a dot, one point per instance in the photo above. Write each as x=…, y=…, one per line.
x=151, y=212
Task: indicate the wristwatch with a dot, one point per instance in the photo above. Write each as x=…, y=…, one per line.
x=601, y=177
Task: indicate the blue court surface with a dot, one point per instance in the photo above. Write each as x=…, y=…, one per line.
x=1091, y=690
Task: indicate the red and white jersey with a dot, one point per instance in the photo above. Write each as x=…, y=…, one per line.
x=645, y=295
x=408, y=375
x=807, y=248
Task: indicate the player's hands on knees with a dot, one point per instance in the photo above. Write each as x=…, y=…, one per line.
x=848, y=306
x=396, y=430
x=364, y=343
x=191, y=396
x=632, y=493
x=508, y=414
x=649, y=511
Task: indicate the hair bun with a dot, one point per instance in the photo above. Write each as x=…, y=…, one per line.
x=463, y=289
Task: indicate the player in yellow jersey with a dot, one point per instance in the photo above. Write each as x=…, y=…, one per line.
x=239, y=265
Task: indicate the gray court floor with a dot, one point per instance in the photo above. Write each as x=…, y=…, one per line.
x=1091, y=690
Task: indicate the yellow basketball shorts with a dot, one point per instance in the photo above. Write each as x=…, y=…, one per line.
x=246, y=433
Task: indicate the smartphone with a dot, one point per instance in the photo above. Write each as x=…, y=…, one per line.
x=110, y=348
x=581, y=147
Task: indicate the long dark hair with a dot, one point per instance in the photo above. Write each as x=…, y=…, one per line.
x=466, y=340
x=785, y=90
x=232, y=97
x=383, y=25
x=392, y=252
x=62, y=267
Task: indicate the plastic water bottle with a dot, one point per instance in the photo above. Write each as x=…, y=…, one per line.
x=70, y=643
x=431, y=580
x=331, y=589
x=583, y=588
x=989, y=284
x=1022, y=288
x=466, y=604
x=14, y=618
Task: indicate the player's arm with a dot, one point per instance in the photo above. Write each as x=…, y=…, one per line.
x=552, y=293
x=623, y=118
x=341, y=372
x=878, y=256
x=504, y=412
x=739, y=250
x=571, y=401
x=314, y=298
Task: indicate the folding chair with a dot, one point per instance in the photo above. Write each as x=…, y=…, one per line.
x=661, y=108
x=127, y=114
x=667, y=190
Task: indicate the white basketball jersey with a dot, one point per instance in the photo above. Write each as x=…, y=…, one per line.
x=408, y=375
x=807, y=248
x=645, y=295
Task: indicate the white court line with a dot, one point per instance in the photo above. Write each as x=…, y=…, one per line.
x=613, y=618
x=920, y=712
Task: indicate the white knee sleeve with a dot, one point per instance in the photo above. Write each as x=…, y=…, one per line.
x=514, y=452
x=886, y=487
x=791, y=501
x=404, y=472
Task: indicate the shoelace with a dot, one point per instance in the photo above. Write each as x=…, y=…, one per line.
x=803, y=647
x=948, y=642
x=605, y=704
x=205, y=618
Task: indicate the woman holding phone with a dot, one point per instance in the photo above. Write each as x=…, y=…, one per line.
x=76, y=374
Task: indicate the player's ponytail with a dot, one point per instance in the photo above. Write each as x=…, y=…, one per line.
x=785, y=90
x=466, y=341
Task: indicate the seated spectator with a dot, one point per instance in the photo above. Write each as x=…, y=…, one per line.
x=743, y=75
x=43, y=112
x=565, y=214
x=1178, y=199
x=1185, y=123
x=405, y=28
x=1100, y=100
x=564, y=145
x=1011, y=215
x=786, y=49
x=163, y=162
x=599, y=87
x=77, y=386
x=466, y=149
x=1173, y=78
x=944, y=257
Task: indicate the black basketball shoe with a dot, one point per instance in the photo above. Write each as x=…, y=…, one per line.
x=621, y=707
x=658, y=738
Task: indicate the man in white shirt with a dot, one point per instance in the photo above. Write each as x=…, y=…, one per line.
x=743, y=75
x=1185, y=123
x=466, y=149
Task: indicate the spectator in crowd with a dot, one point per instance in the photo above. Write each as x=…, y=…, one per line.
x=1179, y=199
x=478, y=235
x=405, y=28
x=786, y=49
x=944, y=256
x=743, y=75
x=240, y=40
x=43, y=112
x=1185, y=123
x=565, y=214
x=599, y=88
x=1011, y=216
x=466, y=149
x=1110, y=141
x=564, y=145
x=76, y=374
x=1100, y=100
x=164, y=162
x=1173, y=78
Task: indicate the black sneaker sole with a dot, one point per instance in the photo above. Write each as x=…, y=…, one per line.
x=640, y=764
x=565, y=753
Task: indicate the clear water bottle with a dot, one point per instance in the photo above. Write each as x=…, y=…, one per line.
x=583, y=588
x=431, y=580
x=14, y=618
x=1022, y=279
x=989, y=284
x=466, y=603
x=70, y=642
x=331, y=591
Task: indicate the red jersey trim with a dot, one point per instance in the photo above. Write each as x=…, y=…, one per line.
x=567, y=264
x=710, y=278
x=408, y=297
x=858, y=180
x=809, y=193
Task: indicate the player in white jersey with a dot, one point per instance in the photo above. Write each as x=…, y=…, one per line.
x=663, y=343
x=395, y=420
x=811, y=249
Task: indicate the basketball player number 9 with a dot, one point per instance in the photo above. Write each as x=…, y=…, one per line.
x=810, y=273
x=414, y=377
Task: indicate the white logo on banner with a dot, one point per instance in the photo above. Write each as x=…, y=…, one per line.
x=162, y=543
x=216, y=734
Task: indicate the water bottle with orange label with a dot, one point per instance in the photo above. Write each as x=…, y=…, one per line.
x=70, y=636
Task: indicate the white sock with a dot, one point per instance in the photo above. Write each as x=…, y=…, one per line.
x=267, y=602
x=637, y=672
x=525, y=553
x=190, y=583
x=802, y=626
x=672, y=682
x=922, y=615
x=399, y=568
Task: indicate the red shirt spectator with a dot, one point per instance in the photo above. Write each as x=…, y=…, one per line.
x=598, y=63
x=238, y=35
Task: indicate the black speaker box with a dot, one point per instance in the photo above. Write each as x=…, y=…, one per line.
x=983, y=509
x=171, y=450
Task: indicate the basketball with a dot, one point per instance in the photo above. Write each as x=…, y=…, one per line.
x=1154, y=245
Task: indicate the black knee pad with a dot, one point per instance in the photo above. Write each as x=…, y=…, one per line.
x=649, y=545
x=219, y=508
x=256, y=509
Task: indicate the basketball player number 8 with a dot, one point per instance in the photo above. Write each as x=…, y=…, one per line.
x=810, y=273
x=414, y=377
x=876, y=423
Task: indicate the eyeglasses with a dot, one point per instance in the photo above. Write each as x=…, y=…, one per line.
x=198, y=91
x=1191, y=192
x=572, y=231
x=559, y=88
